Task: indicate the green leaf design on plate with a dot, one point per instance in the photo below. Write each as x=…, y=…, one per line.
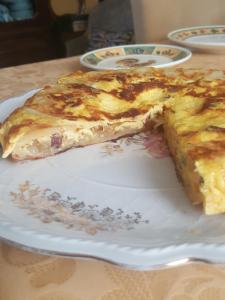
x=139, y=50
x=180, y=56
x=92, y=59
x=214, y=30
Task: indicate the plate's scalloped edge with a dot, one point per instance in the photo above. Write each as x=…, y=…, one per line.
x=147, y=267
x=182, y=259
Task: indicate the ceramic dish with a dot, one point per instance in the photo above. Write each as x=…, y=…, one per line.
x=202, y=37
x=117, y=201
x=130, y=56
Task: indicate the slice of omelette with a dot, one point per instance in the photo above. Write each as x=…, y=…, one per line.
x=81, y=109
x=194, y=127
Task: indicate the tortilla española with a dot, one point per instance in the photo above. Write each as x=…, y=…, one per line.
x=91, y=107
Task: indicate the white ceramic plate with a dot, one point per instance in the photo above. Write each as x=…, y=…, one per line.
x=117, y=201
x=130, y=56
x=201, y=37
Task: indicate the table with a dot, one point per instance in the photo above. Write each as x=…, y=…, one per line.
x=29, y=276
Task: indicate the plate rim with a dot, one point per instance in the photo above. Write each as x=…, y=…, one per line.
x=195, y=45
x=170, y=64
x=185, y=260
x=133, y=258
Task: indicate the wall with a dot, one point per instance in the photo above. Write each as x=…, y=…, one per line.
x=153, y=19
x=61, y=7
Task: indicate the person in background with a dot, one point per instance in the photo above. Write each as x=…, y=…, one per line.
x=110, y=24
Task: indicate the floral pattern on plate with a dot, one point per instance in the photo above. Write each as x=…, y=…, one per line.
x=134, y=62
x=183, y=35
x=152, y=143
x=50, y=206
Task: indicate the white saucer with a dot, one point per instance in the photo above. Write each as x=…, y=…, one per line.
x=130, y=56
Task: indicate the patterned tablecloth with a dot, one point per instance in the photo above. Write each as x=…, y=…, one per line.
x=29, y=276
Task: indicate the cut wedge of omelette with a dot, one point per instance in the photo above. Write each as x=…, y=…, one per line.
x=92, y=107
x=82, y=109
x=194, y=127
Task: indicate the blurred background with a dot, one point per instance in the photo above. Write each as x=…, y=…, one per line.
x=38, y=30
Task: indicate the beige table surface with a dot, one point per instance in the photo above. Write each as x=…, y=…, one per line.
x=28, y=276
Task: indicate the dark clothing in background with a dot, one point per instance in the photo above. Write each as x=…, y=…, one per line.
x=110, y=24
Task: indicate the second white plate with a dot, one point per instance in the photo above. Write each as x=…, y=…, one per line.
x=201, y=37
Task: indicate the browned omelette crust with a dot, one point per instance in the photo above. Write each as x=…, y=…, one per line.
x=87, y=95
x=85, y=100
x=108, y=96
x=94, y=91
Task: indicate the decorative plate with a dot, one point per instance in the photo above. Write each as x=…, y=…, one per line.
x=131, y=56
x=201, y=37
x=117, y=201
